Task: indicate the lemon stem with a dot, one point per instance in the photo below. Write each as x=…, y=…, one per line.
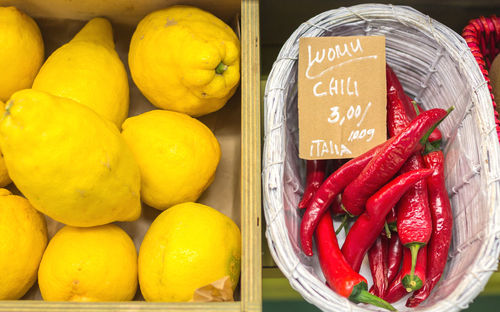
x=7, y=109
x=220, y=68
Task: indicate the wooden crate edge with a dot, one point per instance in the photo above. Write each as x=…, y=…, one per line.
x=35, y=305
x=251, y=275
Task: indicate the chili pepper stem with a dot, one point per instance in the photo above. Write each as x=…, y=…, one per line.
x=387, y=230
x=343, y=224
x=361, y=294
x=347, y=212
x=414, y=252
x=415, y=107
x=431, y=147
x=413, y=282
x=393, y=227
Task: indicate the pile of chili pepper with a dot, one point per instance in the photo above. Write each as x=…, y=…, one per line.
x=397, y=194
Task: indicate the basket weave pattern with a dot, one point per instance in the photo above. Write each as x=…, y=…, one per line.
x=482, y=36
x=436, y=67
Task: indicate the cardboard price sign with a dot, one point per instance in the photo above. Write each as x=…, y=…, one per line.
x=342, y=96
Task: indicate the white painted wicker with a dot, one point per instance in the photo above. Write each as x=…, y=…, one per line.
x=434, y=65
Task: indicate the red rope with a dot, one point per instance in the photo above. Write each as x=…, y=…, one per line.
x=482, y=36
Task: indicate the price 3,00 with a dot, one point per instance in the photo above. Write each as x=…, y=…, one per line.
x=353, y=112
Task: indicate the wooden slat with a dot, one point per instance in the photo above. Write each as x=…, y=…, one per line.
x=251, y=281
x=118, y=11
x=39, y=306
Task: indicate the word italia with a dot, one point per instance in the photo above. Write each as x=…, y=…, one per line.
x=319, y=148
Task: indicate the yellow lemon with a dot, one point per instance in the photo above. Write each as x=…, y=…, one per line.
x=88, y=70
x=177, y=156
x=89, y=264
x=71, y=164
x=187, y=247
x=24, y=236
x=4, y=175
x=22, y=52
x=185, y=59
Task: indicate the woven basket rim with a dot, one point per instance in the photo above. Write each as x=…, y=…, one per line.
x=471, y=34
x=300, y=277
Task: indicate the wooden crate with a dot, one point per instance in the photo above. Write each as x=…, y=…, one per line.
x=241, y=137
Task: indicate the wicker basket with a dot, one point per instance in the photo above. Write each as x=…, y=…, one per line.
x=483, y=36
x=436, y=67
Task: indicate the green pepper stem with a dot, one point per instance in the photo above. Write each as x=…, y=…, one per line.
x=347, y=212
x=393, y=226
x=413, y=282
x=431, y=147
x=414, y=252
x=343, y=224
x=360, y=294
x=387, y=230
x=415, y=107
x=221, y=68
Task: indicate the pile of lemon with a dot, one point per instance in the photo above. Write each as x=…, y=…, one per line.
x=69, y=148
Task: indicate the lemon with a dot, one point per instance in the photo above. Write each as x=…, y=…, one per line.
x=22, y=52
x=24, y=237
x=88, y=70
x=188, y=246
x=89, y=264
x=177, y=156
x=69, y=162
x=4, y=175
x=185, y=59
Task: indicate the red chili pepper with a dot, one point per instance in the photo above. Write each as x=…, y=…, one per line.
x=400, y=111
x=365, y=230
x=315, y=175
x=394, y=84
x=394, y=256
x=326, y=194
x=442, y=223
x=339, y=275
x=388, y=161
x=414, y=217
x=377, y=256
x=401, y=103
x=397, y=289
x=397, y=114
